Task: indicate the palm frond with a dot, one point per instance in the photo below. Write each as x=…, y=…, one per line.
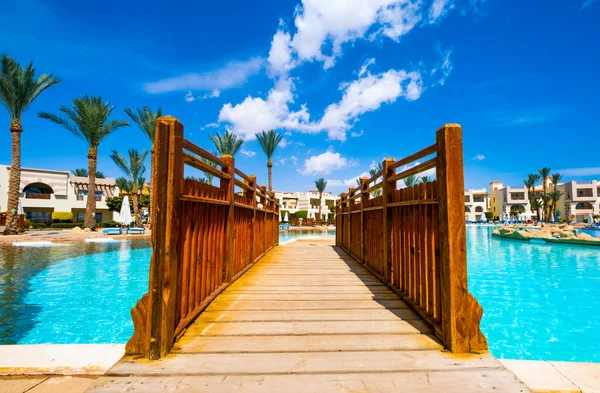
x=145, y=118
x=321, y=184
x=269, y=142
x=411, y=180
x=87, y=118
x=228, y=143
x=19, y=87
x=134, y=168
x=82, y=172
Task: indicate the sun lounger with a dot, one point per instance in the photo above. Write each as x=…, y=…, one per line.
x=112, y=231
x=140, y=231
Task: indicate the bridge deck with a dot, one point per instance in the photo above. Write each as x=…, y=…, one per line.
x=308, y=318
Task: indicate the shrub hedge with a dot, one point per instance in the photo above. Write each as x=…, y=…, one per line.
x=58, y=217
x=66, y=225
x=302, y=214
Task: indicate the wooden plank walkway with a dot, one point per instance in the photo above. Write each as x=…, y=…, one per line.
x=308, y=318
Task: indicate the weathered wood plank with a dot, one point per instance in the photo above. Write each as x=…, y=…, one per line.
x=309, y=315
x=464, y=381
x=271, y=328
x=304, y=363
x=310, y=343
x=306, y=305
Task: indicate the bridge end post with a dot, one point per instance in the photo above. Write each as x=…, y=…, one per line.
x=461, y=313
x=364, y=196
x=387, y=194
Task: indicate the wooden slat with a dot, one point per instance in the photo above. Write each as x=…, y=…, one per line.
x=415, y=170
x=242, y=174
x=202, y=153
x=191, y=198
x=429, y=150
x=243, y=185
x=203, y=166
x=425, y=201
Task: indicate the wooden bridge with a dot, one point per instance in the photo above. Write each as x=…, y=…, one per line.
x=384, y=308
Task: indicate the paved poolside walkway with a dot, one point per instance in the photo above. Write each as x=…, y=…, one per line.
x=308, y=318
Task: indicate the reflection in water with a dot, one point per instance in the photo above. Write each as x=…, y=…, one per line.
x=19, y=271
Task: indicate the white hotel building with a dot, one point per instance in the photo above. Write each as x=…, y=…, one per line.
x=44, y=191
x=309, y=201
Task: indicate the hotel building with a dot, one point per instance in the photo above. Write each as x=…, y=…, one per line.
x=309, y=201
x=476, y=204
x=44, y=191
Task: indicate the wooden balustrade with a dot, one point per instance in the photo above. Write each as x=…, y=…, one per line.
x=414, y=238
x=204, y=237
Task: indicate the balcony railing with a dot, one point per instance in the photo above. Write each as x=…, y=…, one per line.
x=37, y=196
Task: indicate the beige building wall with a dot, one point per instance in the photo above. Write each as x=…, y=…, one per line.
x=62, y=192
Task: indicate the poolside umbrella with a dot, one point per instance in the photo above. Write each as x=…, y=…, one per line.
x=280, y=218
x=590, y=218
x=125, y=213
x=20, y=208
x=286, y=217
x=551, y=217
x=483, y=219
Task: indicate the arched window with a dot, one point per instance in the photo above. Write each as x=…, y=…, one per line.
x=38, y=191
x=479, y=209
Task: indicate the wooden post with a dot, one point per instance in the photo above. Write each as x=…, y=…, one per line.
x=228, y=185
x=168, y=178
x=263, y=201
x=364, y=196
x=341, y=229
x=252, y=196
x=387, y=192
x=351, y=192
x=461, y=313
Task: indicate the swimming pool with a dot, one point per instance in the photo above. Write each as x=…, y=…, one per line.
x=540, y=301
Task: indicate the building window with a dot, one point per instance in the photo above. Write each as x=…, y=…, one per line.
x=80, y=216
x=39, y=216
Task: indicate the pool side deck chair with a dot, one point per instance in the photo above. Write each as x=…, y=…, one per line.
x=112, y=231
x=140, y=231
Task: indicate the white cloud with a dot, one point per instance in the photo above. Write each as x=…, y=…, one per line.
x=439, y=8
x=364, y=68
x=443, y=70
x=283, y=143
x=210, y=125
x=325, y=163
x=280, y=55
x=347, y=182
x=355, y=134
x=294, y=160
x=429, y=172
x=586, y=4
x=594, y=171
x=479, y=157
x=248, y=153
x=282, y=161
x=233, y=74
x=367, y=94
x=324, y=26
x=189, y=97
x=363, y=95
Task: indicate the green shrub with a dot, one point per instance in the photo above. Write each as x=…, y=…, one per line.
x=489, y=215
x=34, y=225
x=303, y=214
x=66, y=225
x=62, y=217
x=110, y=224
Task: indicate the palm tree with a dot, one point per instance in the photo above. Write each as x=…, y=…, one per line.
x=376, y=169
x=411, y=180
x=544, y=173
x=134, y=170
x=209, y=177
x=269, y=142
x=145, y=118
x=18, y=89
x=82, y=172
x=555, y=196
x=529, y=183
x=555, y=179
x=87, y=118
x=228, y=143
x=536, y=205
x=426, y=179
x=321, y=184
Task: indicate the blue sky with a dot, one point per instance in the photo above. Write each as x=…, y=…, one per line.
x=349, y=82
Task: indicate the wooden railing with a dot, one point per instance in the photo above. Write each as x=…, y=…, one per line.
x=204, y=237
x=414, y=239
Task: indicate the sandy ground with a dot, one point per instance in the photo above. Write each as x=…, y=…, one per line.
x=64, y=236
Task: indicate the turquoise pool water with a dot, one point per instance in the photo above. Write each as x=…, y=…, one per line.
x=540, y=302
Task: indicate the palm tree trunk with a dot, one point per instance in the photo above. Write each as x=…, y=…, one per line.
x=90, y=208
x=270, y=171
x=14, y=184
x=136, y=215
x=320, y=198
